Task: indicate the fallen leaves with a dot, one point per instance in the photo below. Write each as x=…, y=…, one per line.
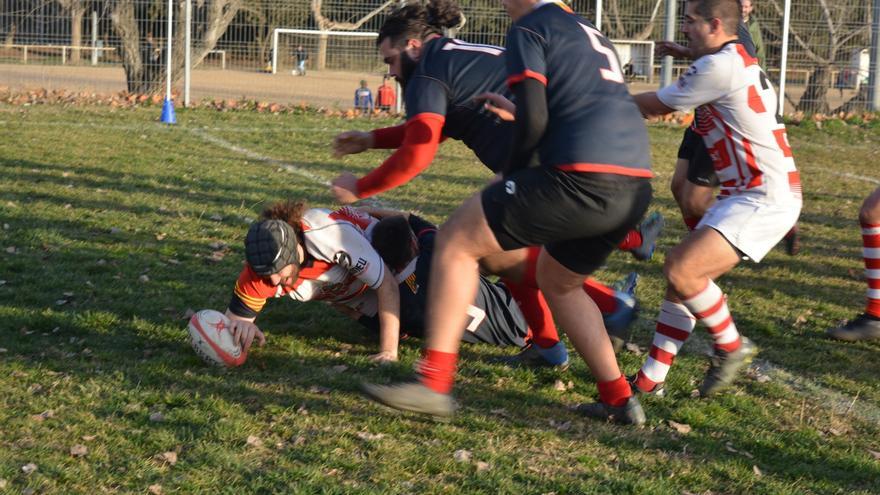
x=43, y=416
x=634, y=348
x=462, y=455
x=875, y=454
x=317, y=389
x=253, y=441
x=370, y=437
x=157, y=417
x=29, y=468
x=169, y=458
x=79, y=450
x=682, y=428
x=561, y=386
x=155, y=489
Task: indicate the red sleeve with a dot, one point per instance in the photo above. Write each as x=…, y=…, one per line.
x=388, y=138
x=421, y=139
x=251, y=290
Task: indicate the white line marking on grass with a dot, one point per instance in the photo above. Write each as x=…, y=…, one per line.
x=855, y=176
x=289, y=167
x=253, y=155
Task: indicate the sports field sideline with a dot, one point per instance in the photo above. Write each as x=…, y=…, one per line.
x=114, y=226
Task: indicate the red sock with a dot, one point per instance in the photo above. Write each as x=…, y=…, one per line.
x=601, y=294
x=692, y=222
x=598, y=292
x=614, y=393
x=871, y=253
x=632, y=240
x=437, y=370
x=534, y=308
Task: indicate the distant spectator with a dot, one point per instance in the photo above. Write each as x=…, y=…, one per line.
x=754, y=32
x=387, y=98
x=301, y=56
x=363, y=98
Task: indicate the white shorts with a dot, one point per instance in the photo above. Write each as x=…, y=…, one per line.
x=752, y=225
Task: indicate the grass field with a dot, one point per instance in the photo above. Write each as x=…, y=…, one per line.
x=113, y=226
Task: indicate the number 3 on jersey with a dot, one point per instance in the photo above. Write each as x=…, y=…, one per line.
x=614, y=74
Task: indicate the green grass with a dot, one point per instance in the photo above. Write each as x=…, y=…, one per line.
x=110, y=218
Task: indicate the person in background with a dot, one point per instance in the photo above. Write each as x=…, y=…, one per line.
x=754, y=32
x=363, y=98
x=387, y=99
x=301, y=57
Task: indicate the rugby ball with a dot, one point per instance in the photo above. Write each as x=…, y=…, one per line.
x=211, y=338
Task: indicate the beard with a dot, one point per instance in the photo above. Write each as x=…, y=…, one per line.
x=407, y=67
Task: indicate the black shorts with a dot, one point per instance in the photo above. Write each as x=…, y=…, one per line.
x=579, y=217
x=701, y=170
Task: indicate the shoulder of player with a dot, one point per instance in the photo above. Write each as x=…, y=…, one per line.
x=315, y=221
x=719, y=65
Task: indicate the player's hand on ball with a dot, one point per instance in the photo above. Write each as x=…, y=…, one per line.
x=344, y=188
x=384, y=357
x=244, y=332
x=672, y=49
x=503, y=108
x=351, y=142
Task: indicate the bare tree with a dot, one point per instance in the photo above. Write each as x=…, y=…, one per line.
x=832, y=26
x=143, y=72
x=76, y=9
x=620, y=23
x=325, y=24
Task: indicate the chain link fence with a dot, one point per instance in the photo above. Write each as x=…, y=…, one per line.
x=119, y=45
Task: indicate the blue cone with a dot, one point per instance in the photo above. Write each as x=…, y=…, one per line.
x=168, y=116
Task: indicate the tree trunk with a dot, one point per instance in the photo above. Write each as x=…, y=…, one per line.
x=77, y=11
x=858, y=103
x=146, y=75
x=122, y=16
x=322, y=52
x=813, y=100
x=10, y=36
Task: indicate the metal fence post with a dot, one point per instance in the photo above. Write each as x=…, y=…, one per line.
x=599, y=15
x=187, y=64
x=668, y=35
x=783, y=63
x=875, y=58
x=94, y=37
x=168, y=54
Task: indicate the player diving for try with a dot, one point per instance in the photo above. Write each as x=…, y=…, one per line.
x=441, y=78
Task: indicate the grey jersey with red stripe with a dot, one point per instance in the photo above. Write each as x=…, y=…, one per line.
x=449, y=75
x=592, y=119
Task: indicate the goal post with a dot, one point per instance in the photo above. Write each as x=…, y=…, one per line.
x=323, y=38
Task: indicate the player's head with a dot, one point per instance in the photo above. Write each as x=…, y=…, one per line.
x=407, y=28
x=518, y=8
x=708, y=24
x=363, y=83
x=395, y=242
x=746, y=9
x=273, y=246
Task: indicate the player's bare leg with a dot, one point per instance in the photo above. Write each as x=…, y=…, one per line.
x=463, y=240
x=866, y=326
x=693, y=200
x=692, y=295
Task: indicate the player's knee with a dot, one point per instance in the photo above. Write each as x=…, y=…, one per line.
x=675, y=271
x=870, y=212
x=558, y=283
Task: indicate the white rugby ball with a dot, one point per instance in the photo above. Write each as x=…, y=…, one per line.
x=211, y=338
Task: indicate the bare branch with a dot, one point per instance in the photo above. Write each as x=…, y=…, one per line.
x=327, y=25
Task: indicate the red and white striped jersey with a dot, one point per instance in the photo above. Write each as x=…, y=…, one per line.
x=341, y=264
x=736, y=115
